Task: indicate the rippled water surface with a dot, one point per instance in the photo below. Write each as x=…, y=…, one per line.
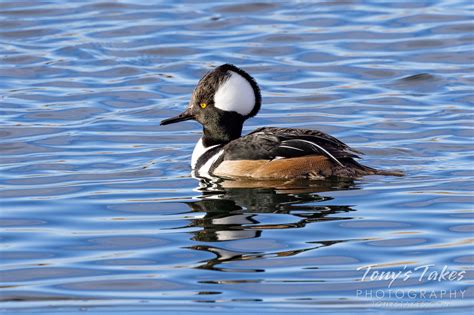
x=98, y=208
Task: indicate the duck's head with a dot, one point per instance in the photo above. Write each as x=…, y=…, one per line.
x=223, y=99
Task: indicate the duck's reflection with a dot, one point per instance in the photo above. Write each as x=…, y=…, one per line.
x=235, y=212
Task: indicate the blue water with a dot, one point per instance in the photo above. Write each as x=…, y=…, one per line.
x=99, y=212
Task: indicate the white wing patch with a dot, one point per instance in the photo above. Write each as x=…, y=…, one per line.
x=320, y=148
x=235, y=95
x=292, y=148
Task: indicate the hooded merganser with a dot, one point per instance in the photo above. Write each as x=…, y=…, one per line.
x=227, y=96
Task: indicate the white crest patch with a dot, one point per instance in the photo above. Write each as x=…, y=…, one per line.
x=235, y=95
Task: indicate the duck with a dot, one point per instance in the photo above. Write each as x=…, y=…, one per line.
x=222, y=101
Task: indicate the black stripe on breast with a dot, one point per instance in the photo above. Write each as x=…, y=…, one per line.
x=206, y=156
x=216, y=164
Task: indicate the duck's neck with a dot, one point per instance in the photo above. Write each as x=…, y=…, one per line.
x=221, y=133
x=222, y=136
x=213, y=137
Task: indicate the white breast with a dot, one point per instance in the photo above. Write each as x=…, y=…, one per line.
x=199, y=150
x=236, y=94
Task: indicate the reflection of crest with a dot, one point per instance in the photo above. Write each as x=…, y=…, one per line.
x=234, y=212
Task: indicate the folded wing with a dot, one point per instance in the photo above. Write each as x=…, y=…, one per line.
x=278, y=143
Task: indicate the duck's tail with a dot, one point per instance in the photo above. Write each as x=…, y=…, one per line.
x=389, y=173
x=362, y=170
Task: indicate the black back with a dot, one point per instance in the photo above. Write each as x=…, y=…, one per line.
x=269, y=143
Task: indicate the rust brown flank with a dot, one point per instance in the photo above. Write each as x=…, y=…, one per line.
x=299, y=167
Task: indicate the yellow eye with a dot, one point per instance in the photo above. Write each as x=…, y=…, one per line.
x=203, y=105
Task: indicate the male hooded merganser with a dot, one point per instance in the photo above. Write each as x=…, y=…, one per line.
x=227, y=96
